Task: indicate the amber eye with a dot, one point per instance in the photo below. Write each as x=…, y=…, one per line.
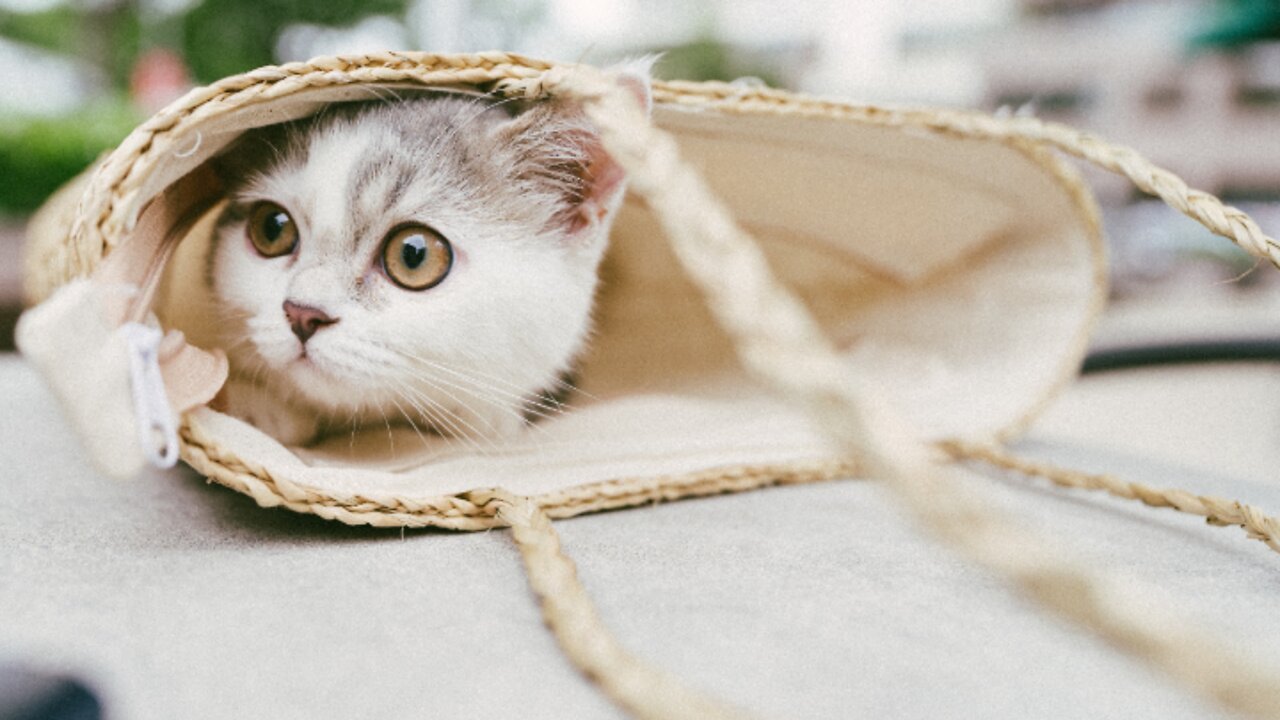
x=272, y=230
x=416, y=257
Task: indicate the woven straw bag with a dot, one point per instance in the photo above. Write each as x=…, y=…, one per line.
x=866, y=291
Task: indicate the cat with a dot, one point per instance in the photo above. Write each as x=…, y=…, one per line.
x=429, y=260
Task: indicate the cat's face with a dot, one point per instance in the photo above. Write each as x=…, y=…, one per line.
x=398, y=257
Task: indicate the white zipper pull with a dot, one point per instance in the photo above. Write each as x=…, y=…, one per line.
x=157, y=431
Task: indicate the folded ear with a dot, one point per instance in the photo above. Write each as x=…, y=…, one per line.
x=559, y=152
x=636, y=76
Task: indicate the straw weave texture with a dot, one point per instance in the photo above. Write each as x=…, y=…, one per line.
x=781, y=344
x=777, y=340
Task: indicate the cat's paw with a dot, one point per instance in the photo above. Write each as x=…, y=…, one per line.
x=284, y=422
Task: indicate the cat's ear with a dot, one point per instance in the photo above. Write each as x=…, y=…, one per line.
x=636, y=76
x=560, y=151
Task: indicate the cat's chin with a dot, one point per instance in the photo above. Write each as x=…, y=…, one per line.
x=330, y=388
x=317, y=381
x=307, y=364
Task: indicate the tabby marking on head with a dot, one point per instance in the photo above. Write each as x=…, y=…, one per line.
x=430, y=260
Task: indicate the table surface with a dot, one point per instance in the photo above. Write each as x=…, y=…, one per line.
x=176, y=598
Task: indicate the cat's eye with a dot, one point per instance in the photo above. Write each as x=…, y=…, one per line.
x=272, y=230
x=416, y=257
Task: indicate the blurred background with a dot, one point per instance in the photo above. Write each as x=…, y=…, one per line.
x=1194, y=84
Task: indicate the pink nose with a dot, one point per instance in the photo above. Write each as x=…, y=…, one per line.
x=306, y=320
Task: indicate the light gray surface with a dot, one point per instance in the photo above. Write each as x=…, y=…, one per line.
x=180, y=599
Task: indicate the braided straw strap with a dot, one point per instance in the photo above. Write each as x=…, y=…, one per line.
x=457, y=512
x=1224, y=220
x=781, y=344
x=778, y=342
x=641, y=690
x=110, y=203
x=1256, y=524
x=1221, y=219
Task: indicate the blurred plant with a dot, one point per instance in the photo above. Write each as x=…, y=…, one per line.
x=1240, y=22
x=147, y=50
x=215, y=38
x=107, y=35
x=225, y=37
x=710, y=59
x=37, y=155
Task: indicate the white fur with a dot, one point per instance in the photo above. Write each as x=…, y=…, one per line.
x=462, y=358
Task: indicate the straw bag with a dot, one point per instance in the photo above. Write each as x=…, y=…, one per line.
x=867, y=291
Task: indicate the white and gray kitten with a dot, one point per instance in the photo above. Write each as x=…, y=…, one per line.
x=430, y=261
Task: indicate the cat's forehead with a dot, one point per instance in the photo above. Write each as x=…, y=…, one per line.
x=364, y=164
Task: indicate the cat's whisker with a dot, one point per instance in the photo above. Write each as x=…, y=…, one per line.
x=458, y=418
x=538, y=400
x=235, y=347
x=412, y=424
x=255, y=367
x=485, y=393
x=519, y=413
x=568, y=386
x=442, y=416
x=480, y=393
x=474, y=432
x=373, y=90
x=391, y=440
x=438, y=412
x=423, y=412
x=523, y=407
x=483, y=359
x=476, y=378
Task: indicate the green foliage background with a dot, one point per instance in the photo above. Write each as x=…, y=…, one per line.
x=225, y=37
x=39, y=155
x=1239, y=22
x=218, y=38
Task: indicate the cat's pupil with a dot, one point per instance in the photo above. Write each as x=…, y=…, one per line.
x=273, y=225
x=413, y=251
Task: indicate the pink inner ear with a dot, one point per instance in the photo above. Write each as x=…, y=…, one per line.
x=600, y=177
x=601, y=181
x=638, y=86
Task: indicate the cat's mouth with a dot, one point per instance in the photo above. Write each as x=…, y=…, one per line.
x=310, y=367
x=307, y=361
x=316, y=379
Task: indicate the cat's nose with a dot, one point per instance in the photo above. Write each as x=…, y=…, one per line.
x=305, y=319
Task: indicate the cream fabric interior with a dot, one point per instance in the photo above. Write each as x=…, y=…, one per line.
x=960, y=275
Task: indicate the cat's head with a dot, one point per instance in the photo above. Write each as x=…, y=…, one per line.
x=389, y=255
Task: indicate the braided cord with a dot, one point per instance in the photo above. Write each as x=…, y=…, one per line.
x=1221, y=219
x=780, y=343
x=641, y=690
x=1256, y=524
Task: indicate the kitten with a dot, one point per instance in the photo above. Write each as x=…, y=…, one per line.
x=430, y=261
